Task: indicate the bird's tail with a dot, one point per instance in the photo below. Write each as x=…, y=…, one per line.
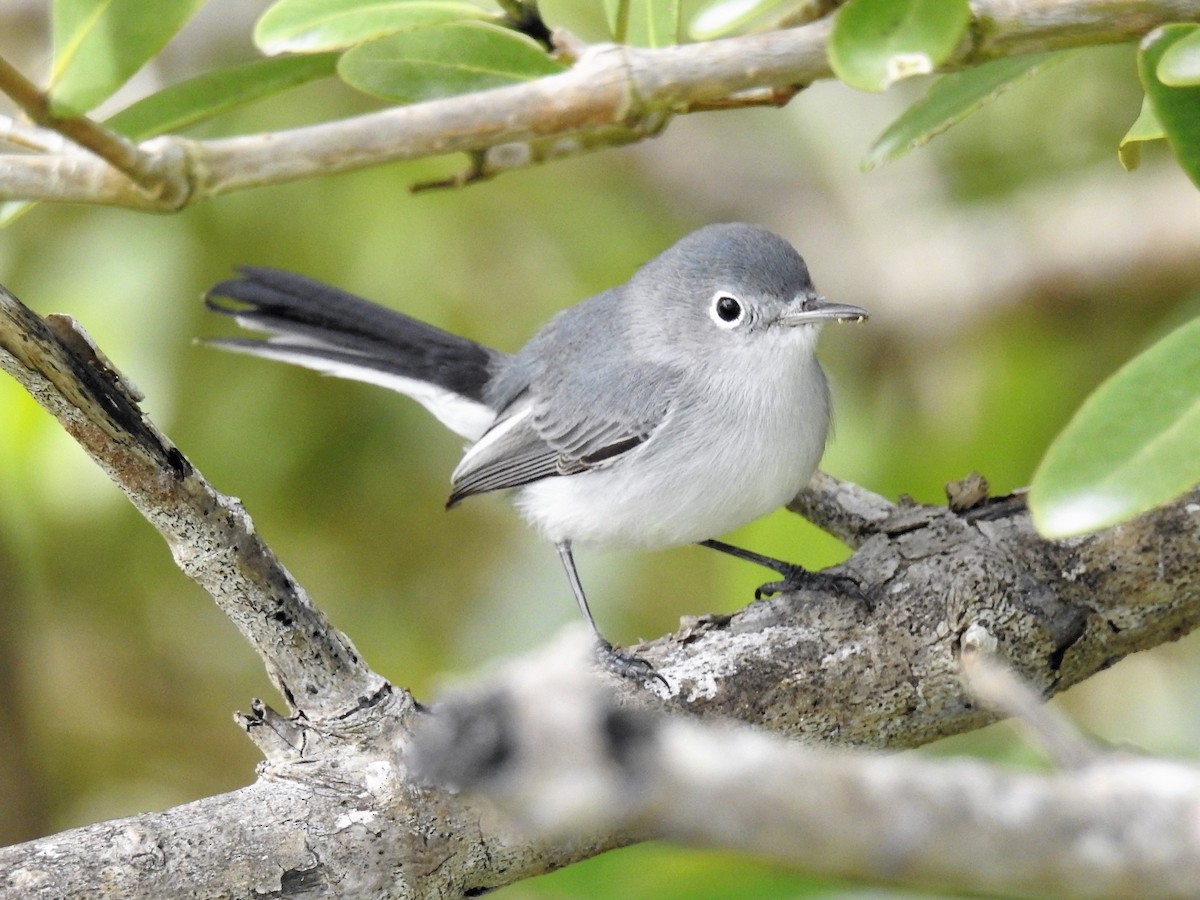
x=321, y=327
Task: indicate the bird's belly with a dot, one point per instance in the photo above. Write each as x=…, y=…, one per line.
x=686, y=484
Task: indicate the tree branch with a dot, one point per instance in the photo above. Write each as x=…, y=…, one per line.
x=348, y=825
x=557, y=754
x=612, y=95
x=998, y=688
x=885, y=673
x=142, y=168
x=313, y=665
x=335, y=808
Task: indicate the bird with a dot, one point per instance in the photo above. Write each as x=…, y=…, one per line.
x=664, y=411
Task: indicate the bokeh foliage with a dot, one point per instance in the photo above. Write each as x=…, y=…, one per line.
x=1011, y=266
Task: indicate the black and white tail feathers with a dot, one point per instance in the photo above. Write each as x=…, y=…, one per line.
x=320, y=327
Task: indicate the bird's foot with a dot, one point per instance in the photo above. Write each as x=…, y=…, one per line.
x=626, y=665
x=798, y=578
x=795, y=578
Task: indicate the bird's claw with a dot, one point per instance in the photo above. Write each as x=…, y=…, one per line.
x=798, y=578
x=626, y=665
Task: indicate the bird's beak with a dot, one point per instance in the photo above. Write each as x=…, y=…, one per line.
x=815, y=308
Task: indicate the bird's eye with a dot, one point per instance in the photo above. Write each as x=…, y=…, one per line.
x=727, y=311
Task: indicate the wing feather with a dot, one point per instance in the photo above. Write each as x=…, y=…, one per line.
x=535, y=438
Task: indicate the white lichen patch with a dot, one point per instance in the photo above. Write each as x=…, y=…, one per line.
x=354, y=817
x=378, y=775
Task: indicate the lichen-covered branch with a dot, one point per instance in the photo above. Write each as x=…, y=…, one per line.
x=612, y=95
x=882, y=670
x=350, y=825
x=315, y=667
x=554, y=751
x=335, y=810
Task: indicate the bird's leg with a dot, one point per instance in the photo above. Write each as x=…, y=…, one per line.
x=795, y=577
x=619, y=663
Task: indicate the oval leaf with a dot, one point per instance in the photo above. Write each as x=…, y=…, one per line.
x=311, y=26
x=1176, y=108
x=181, y=105
x=443, y=61
x=99, y=44
x=878, y=42
x=1134, y=444
x=1180, y=64
x=724, y=17
x=951, y=99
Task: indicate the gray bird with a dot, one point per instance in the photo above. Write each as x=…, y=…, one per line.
x=673, y=408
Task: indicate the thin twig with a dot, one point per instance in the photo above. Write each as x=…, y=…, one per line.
x=28, y=137
x=143, y=169
x=994, y=684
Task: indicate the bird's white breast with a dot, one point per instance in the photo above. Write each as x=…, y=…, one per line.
x=743, y=438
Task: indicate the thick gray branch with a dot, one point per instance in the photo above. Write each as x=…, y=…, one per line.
x=356, y=828
x=213, y=541
x=335, y=813
x=612, y=95
x=882, y=670
x=547, y=744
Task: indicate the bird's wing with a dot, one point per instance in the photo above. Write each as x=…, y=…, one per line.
x=559, y=430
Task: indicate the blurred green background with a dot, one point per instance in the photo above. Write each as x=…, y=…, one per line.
x=1009, y=266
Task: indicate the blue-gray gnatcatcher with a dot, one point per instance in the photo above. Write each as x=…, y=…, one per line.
x=675, y=407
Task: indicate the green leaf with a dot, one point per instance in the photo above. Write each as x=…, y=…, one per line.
x=443, y=61
x=1133, y=445
x=311, y=26
x=212, y=93
x=875, y=43
x=644, y=23
x=99, y=44
x=1177, y=108
x=1180, y=64
x=950, y=100
x=1145, y=128
x=722, y=17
